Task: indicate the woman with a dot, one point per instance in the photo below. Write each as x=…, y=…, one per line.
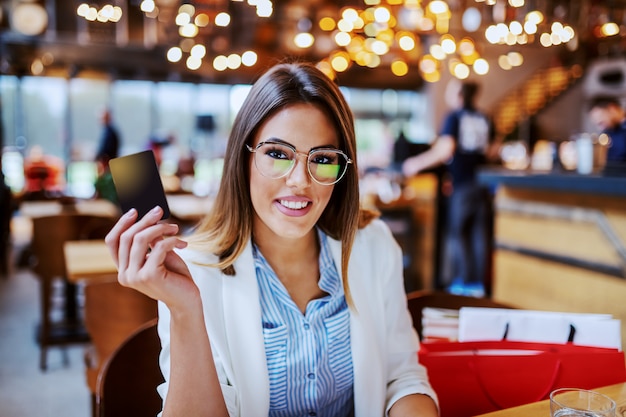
x=280, y=304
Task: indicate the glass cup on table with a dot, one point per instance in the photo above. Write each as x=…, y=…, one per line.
x=574, y=402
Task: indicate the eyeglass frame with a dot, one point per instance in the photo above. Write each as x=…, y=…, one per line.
x=276, y=141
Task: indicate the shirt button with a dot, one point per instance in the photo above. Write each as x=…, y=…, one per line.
x=306, y=326
x=312, y=413
x=311, y=375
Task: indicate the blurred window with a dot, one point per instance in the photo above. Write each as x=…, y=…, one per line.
x=44, y=103
x=88, y=98
x=142, y=109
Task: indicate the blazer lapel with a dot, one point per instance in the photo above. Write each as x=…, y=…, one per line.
x=368, y=371
x=242, y=321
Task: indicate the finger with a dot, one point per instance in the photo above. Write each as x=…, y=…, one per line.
x=171, y=229
x=163, y=256
x=112, y=238
x=144, y=242
x=126, y=241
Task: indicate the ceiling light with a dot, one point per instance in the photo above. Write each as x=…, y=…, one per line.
x=234, y=61
x=515, y=59
x=437, y=51
x=504, y=63
x=193, y=63
x=399, y=68
x=183, y=19
x=174, y=54
x=438, y=7
x=349, y=14
x=188, y=31
x=535, y=16
x=406, y=42
x=187, y=9
x=382, y=14
x=198, y=51
x=466, y=47
x=609, y=29
x=340, y=62
x=304, y=40
x=428, y=64
x=249, y=58
x=345, y=25
x=327, y=24
x=29, y=19
x=515, y=28
x=147, y=6
x=471, y=19
x=379, y=47
x=530, y=27
x=202, y=20
x=481, y=66
x=342, y=38
x=461, y=71
x=222, y=19
x=448, y=45
x=220, y=63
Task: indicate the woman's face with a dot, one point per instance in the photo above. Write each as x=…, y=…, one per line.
x=290, y=206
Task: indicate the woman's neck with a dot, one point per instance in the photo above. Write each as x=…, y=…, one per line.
x=287, y=251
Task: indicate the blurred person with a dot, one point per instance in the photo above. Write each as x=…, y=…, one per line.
x=43, y=174
x=159, y=143
x=104, y=185
x=609, y=116
x=109, y=145
x=465, y=143
x=288, y=299
x=7, y=207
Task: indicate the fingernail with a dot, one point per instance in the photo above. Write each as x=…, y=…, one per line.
x=155, y=210
x=130, y=213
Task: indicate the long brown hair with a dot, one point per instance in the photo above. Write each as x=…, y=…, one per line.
x=228, y=227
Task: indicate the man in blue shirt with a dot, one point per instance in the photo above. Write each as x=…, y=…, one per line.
x=608, y=114
x=466, y=142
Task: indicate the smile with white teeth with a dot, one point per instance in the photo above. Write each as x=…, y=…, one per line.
x=294, y=205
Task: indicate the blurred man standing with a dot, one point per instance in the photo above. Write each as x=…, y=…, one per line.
x=465, y=143
x=109, y=141
x=608, y=114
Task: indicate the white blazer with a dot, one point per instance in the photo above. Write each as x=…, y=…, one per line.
x=383, y=341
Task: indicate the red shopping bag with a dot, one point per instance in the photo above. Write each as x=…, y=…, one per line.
x=472, y=378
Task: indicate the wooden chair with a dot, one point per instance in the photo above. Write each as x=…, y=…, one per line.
x=112, y=313
x=417, y=300
x=48, y=263
x=129, y=378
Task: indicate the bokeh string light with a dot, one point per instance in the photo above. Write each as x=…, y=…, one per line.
x=405, y=36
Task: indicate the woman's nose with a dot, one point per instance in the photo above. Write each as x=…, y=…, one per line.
x=299, y=175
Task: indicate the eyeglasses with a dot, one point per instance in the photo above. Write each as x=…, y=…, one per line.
x=275, y=159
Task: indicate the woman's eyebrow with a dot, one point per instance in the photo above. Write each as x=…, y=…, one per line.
x=274, y=139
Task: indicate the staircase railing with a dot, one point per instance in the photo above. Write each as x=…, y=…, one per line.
x=535, y=94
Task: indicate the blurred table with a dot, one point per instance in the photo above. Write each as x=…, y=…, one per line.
x=40, y=208
x=189, y=208
x=542, y=408
x=89, y=260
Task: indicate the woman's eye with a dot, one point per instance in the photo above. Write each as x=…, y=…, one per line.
x=277, y=154
x=324, y=159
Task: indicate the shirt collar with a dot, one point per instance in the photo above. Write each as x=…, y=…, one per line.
x=329, y=281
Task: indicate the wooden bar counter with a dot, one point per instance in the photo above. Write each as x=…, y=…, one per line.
x=560, y=241
x=542, y=408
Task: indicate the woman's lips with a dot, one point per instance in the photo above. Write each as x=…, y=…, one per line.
x=294, y=205
x=293, y=208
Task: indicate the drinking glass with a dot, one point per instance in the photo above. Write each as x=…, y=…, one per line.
x=574, y=402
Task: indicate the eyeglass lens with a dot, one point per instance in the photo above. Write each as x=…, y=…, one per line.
x=275, y=160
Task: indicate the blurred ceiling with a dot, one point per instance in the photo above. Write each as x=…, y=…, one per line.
x=48, y=37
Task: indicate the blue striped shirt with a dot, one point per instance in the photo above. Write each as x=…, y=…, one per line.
x=308, y=356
